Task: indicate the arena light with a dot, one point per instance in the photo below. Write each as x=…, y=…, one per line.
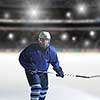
x=87, y=43
x=33, y=12
x=64, y=37
x=6, y=15
x=73, y=38
x=11, y=36
x=92, y=33
x=24, y=41
x=68, y=14
x=81, y=8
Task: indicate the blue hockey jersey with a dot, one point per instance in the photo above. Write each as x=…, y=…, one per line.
x=34, y=57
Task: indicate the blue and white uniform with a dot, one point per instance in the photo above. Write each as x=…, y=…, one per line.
x=34, y=58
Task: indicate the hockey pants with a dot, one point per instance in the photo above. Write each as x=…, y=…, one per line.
x=39, y=85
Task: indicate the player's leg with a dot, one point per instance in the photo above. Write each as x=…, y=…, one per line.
x=35, y=91
x=44, y=86
x=34, y=82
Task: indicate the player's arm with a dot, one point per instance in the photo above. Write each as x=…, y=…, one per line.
x=56, y=66
x=26, y=60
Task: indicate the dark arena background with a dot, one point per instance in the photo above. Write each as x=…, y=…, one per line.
x=73, y=24
x=75, y=30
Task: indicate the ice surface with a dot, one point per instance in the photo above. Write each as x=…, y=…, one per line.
x=14, y=85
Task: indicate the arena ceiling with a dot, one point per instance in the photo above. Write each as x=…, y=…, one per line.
x=53, y=13
x=45, y=3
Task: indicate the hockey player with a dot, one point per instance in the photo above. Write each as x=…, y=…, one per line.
x=36, y=59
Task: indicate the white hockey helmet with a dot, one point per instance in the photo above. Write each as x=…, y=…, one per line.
x=44, y=35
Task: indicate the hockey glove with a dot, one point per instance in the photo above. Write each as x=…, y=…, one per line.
x=59, y=72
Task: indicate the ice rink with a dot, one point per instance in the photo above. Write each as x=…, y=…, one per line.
x=14, y=85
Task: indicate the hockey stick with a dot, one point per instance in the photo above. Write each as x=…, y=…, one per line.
x=72, y=75
x=83, y=76
x=68, y=75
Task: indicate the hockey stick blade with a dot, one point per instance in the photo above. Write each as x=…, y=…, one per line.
x=95, y=76
x=81, y=76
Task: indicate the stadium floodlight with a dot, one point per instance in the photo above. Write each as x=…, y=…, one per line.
x=68, y=14
x=81, y=8
x=73, y=38
x=11, y=36
x=64, y=36
x=6, y=15
x=86, y=43
x=24, y=41
x=33, y=12
x=92, y=33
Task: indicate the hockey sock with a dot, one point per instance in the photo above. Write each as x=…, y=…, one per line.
x=35, y=91
x=43, y=94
